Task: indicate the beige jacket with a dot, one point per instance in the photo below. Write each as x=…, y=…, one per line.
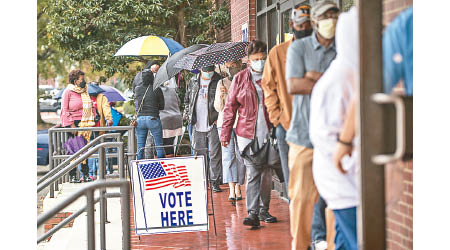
x=220, y=100
x=104, y=110
x=276, y=98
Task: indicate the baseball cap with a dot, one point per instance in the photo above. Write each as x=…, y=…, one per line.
x=300, y=14
x=321, y=7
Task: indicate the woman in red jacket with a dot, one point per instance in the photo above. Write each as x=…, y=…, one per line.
x=246, y=98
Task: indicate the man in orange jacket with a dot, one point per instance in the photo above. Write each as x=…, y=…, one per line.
x=276, y=98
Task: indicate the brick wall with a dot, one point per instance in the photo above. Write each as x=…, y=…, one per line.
x=399, y=175
x=399, y=205
x=243, y=11
x=56, y=220
x=224, y=35
x=391, y=8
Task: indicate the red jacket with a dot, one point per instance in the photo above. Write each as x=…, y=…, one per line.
x=242, y=98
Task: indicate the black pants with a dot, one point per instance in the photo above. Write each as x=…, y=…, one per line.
x=167, y=142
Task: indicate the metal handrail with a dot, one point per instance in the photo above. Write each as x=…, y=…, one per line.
x=88, y=190
x=57, y=136
x=79, y=152
x=83, y=157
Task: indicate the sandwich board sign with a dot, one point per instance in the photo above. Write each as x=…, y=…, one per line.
x=169, y=195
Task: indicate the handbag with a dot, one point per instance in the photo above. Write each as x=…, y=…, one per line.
x=134, y=122
x=267, y=155
x=74, y=144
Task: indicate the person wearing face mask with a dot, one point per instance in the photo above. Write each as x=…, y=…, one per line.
x=246, y=99
x=77, y=110
x=330, y=102
x=276, y=98
x=199, y=111
x=306, y=60
x=233, y=167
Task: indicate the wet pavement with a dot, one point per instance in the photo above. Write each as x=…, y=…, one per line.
x=231, y=233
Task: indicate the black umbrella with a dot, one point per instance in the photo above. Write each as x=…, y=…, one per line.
x=167, y=71
x=214, y=54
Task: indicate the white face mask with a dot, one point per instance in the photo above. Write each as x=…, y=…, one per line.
x=258, y=66
x=327, y=27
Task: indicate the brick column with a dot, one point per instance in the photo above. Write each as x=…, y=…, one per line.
x=243, y=11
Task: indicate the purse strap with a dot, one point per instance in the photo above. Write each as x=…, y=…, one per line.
x=142, y=102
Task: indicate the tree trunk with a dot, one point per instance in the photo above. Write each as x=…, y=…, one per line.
x=181, y=24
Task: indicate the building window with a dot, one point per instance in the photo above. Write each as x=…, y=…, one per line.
x=272, y=19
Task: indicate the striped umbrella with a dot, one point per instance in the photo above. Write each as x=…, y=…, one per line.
x=149, y=46
x=214, y=54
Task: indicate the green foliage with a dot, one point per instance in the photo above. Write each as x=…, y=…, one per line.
x=129, y=108
x=93, y=30
x=51, y=62
x=347, y=4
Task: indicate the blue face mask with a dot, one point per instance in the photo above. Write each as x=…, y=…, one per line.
x=258, y=65
x=207, y=75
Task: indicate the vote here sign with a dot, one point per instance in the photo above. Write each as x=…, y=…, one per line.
x=169, y=195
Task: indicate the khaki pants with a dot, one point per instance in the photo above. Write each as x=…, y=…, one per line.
x=303, y=195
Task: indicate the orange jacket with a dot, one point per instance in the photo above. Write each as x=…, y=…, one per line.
x=276, y=98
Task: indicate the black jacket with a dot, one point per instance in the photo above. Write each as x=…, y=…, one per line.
x=190, y=99
x=154, y=100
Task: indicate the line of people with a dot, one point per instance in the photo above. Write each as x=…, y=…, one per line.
x=81, y=109
x=298, y=98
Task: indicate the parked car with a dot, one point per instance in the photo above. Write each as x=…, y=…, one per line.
x=42, y=147
x=49, y=105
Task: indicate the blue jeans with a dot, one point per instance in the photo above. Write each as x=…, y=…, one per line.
x=146, y=123
x=232, y=165
x=93, y=166
x=283, y=148
x=346, y=237
x=318, y=227
x=189, y=128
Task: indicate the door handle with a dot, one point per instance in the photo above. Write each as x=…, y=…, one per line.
x=399, y=105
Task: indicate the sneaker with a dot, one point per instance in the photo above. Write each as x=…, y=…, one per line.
x=252, y=220
x=216, y=187
x=266, y=217
x=320, y=245
x=93, y=178
x=74, y=180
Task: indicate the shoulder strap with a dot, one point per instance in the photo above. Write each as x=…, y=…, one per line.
x=142, y=102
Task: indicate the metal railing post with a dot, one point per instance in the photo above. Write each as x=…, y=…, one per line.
x=90, y=219
x=50, y=158
x=102, y=191
x=125, y=203
x=58, y=151
x=120, y=161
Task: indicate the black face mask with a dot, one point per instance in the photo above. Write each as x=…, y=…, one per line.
x=82, y=84
x=301, y=33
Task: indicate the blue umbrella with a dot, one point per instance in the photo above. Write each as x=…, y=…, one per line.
x=92, y=90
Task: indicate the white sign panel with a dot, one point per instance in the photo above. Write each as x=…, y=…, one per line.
x=169, y=195
x=244, y=29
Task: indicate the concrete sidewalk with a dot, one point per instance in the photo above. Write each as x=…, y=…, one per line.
x=75, y=237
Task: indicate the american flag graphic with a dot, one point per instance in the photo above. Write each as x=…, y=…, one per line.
x=159, y=174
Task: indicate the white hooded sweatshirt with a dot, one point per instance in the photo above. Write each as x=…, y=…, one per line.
x=330, y=101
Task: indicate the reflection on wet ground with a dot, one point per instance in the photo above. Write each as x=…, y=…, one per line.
x=231, y=233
